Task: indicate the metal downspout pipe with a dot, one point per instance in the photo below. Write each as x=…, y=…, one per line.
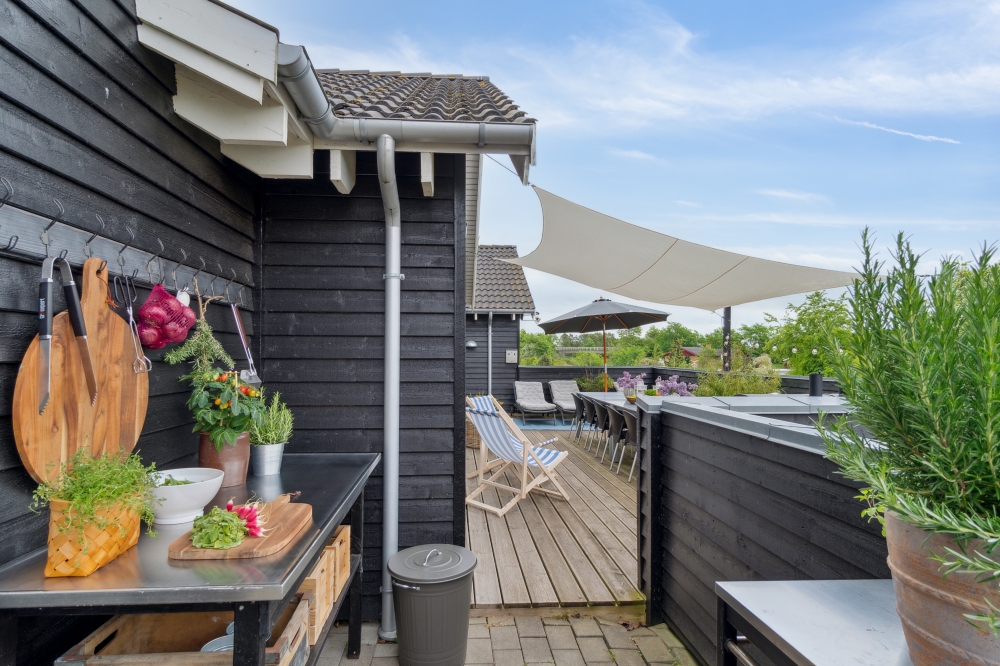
x=489, y=355
x=386, y=152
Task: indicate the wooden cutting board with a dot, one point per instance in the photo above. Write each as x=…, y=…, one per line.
x=70, y=422
x=285, y=522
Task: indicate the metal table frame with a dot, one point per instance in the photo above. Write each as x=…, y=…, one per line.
x=254, y=618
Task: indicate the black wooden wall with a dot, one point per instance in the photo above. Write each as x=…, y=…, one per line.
x=86, y=117
x=717, y=504
x=506, y=334
x=322, y=335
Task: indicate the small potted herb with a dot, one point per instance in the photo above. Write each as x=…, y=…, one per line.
x=269, y=436
x=95, y=500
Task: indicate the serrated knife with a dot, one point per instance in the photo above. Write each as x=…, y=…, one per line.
x=79, y=327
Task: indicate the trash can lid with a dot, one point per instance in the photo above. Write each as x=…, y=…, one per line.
x=432, y=563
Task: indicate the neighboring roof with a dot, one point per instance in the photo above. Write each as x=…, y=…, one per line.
x=499, y=285
x=364, y=94
x=691, y=351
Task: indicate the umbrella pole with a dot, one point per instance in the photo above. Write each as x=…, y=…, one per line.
x=604, y=327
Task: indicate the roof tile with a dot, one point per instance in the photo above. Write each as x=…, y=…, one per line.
x=499, y=285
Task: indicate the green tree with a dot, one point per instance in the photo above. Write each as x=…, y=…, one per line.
x=800, y=337
x=753, y=338
x=674, y=333
x=590, y=359
x=537, y=349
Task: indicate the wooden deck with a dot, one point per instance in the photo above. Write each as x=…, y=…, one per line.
x=548, y=552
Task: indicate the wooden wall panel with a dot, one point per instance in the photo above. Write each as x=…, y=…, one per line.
x=506, y=334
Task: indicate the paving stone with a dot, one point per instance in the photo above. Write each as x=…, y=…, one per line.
x=508, y=658
x=628, y=657
x=666, y=635
x=369, y=633
x=530, y=626
x=555, y=621
x=617, y=636
x=654, y=650
x=386, y=650
x=479, y=631
x=585, y=626
x=535, y=650
x=504, y=638
x=333, y=650
x=568, y=657
x=594, y=649
x=500, y=621
x=642, y=631
x=561, y=638
x=479, y=651
x=684, y=658
x=385, y=661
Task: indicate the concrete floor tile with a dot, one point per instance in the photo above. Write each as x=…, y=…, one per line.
x=535, y=650
x=369, y=633
x=594, y=649
x=653, y=649
x=479, y=631
x=684, y=658
x=667, y=636
x=386, y=650
x=585, y=626
x=333, y=650
x=385, y=661
x=500, y=620
x=479, y=651
x=508, y=658
x=555, y=621
x=642, y=631
x=628, y=657
x=529, y=626
x=364, y=657
x=561, y=638
x=617, y=637
x=568, y=657
x=504, y=638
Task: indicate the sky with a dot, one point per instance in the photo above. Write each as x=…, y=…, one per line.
x=774, y=129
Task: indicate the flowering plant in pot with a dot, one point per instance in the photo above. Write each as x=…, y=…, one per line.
x=627, y=384
x=269, y=435
x=920, y=367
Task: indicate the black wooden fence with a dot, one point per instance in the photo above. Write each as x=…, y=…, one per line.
x=717, y=503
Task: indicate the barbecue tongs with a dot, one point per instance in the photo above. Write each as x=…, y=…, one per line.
x=45, y=329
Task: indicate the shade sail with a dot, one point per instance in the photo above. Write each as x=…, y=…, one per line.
x=614, y=256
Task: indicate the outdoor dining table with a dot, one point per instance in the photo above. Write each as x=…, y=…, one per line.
x=144, y=580
x=811, y=622
x=613, y=398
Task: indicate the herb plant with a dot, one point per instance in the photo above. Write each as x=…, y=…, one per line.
x=219, y=529
x=202, y=349
x=921, y=369
x=275, y=425
x=746, y=377
x=223, y=405
x=171, y=481
x=91, y=484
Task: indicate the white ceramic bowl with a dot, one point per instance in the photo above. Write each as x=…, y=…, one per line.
x=182, y=504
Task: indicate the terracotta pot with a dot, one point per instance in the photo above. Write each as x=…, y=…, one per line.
x=233, y=460
x=932, y=608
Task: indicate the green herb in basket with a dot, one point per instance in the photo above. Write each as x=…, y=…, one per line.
x=219, y=529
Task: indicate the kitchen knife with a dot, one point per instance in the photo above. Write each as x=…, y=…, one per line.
x=79, y=327
x=44, y=333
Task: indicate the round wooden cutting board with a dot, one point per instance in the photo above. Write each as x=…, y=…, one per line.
x=70, y=422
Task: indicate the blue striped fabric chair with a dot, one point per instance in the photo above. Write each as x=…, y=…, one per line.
x=501, y=437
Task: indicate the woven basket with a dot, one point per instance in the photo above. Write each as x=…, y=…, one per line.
x=69, y=557
x=471, y=434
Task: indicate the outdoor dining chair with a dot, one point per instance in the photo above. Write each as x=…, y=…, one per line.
x=616, y=433
x=578, y=410
x=562, y=396
x=632, y=426
x=500, y=436
x=589, y=417
x=600, y=425
x=529, y=398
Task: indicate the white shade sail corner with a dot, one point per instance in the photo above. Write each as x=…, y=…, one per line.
x=646, y=265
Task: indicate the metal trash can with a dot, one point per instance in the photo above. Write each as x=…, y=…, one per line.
x=431, y=594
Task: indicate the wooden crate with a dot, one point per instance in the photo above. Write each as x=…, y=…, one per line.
x=175, y=639
x=317, y=587
x=340, y=547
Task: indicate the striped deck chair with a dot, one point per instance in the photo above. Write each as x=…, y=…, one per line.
x=505, y=440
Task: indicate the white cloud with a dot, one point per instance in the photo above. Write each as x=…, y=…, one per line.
x=806, y=197
x=632, y=154
x=921, y=137
x=687, y=204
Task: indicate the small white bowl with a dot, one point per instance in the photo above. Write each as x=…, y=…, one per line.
x=182, y=504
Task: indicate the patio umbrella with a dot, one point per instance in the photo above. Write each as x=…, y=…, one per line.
x=603, y=315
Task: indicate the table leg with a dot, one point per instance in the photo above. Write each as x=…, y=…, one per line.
x=8, y=639
x=726, y=632
x=357, y=548
x=251, y=632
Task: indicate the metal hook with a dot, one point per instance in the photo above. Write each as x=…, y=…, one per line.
x=46, y=241
x=12, y=243
x=86, y=246
x=226, y=292
x=156, y=258
x=173, y=273
x=194, y=278
x=242, y=287
x=10, y=191
x=121, y=261
x=62, y=254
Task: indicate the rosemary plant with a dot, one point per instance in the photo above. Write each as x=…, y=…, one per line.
x=275, y=425
x=921, y=369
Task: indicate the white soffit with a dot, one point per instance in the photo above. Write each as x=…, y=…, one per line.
x=621, y=258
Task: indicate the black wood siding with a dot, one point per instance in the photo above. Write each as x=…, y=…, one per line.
x=86, y=117
x=322, y=340
x=731, y=506
x=506, y=334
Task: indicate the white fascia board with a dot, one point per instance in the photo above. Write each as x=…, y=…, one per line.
x=294, y=161
x=229, y=117
x=215, y=30
x=278, y=92
x=427, y=173
x=248, y=85
x=343, y=170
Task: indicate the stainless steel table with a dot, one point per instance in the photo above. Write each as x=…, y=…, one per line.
x=611, y=398
x=812, y=622
x=144, y=580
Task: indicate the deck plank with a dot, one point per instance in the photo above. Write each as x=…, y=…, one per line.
x=590, y=581
x=512, y=586
x=623, y=493
x=486, y=581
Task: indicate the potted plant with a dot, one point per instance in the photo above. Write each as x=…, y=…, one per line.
x=269, y=436
x=627, y=384
x=95, y=507
x=920, y=366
